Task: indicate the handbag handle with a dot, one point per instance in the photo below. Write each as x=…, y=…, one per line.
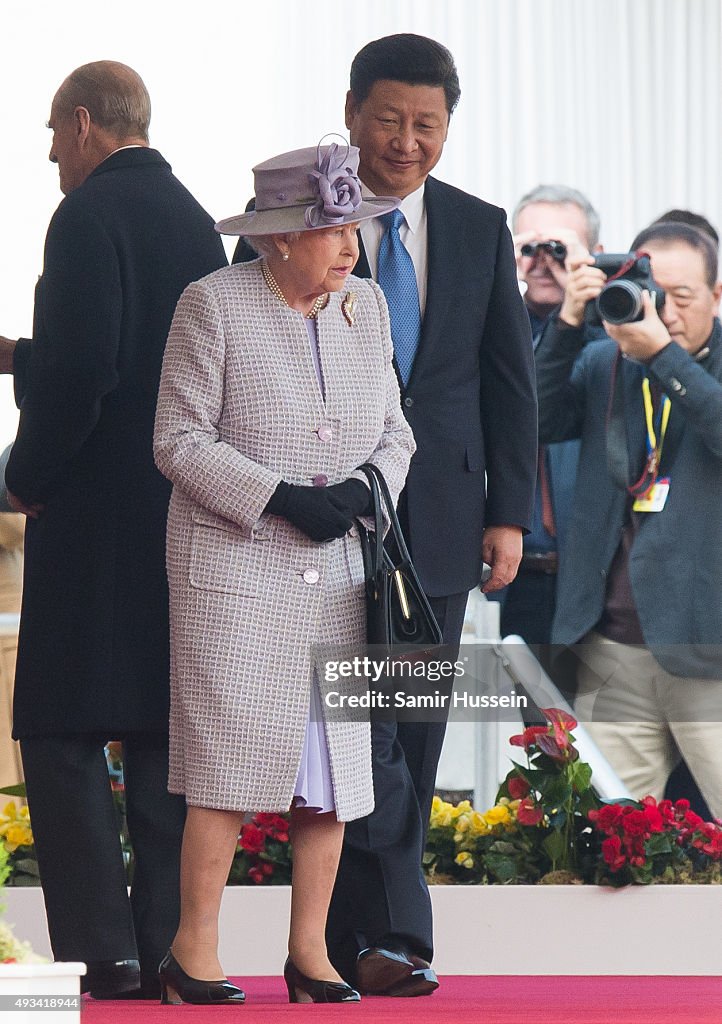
x=380, y=492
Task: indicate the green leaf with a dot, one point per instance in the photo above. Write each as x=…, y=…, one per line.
x=658, y=843
x=18, y=790
x=27, y=865
x=580, y=775
x=556, y=792
x=555, y=846
x=23, y=880
x=503, y=868
x=588, y=801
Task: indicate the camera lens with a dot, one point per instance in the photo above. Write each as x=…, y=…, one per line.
x=620, y=302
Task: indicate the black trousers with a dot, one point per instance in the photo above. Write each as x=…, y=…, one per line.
x=75, y=827
x=380, y=897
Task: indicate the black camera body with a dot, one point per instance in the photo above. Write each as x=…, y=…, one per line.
x=620, y=300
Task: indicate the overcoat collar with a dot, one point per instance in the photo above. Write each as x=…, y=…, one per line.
x=134, y=156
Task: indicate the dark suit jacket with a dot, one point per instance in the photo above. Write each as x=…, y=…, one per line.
x=675, y=565
x=471, y=398
x=93, y=649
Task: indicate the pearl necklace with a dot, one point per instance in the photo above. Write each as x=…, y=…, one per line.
x=273, y=286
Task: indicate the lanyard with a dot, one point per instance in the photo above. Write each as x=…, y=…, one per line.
x=655, y=440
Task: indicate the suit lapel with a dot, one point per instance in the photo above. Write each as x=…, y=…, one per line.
x=362, y=268
x=632, y=375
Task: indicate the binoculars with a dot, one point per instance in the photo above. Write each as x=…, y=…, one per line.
x=556, y=250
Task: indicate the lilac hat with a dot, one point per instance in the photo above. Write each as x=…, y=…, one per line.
x=307, y=189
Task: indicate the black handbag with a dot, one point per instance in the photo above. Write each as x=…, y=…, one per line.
x=399, y=616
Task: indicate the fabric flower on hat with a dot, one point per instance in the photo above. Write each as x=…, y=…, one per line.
x=338, y=188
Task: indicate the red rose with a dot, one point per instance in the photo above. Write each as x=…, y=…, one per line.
x=655, y=821
x=612, y=853
x=634, y=823
x=256, y=874
x=252, y=839
x=607, y=817
x=529, y=813
x=273, y=825
x=692, y=820
x=518, y=787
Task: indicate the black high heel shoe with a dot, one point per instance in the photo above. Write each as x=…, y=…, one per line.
x=305, y=990
x=177, y=987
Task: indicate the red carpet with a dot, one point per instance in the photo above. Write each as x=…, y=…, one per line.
x=463, y=1000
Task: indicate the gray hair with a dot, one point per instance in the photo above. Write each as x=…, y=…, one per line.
x=113, y=94
x=558, y=195
x=265, y=244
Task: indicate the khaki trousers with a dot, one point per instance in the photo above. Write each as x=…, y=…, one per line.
x=642, y=718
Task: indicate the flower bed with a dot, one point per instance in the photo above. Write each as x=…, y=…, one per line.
x=547, y=826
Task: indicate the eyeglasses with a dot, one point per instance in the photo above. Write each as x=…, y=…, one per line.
x=557, y=250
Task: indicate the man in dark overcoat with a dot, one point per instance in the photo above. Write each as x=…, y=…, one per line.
x=93, y=647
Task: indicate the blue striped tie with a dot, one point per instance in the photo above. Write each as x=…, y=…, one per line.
x=397, y=277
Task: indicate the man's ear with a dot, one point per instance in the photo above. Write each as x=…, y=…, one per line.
x=351, y=108
x=82, y=122
x=717, y=293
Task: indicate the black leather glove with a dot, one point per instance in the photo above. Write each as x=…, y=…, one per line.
x=312, y=509
x=352, y=496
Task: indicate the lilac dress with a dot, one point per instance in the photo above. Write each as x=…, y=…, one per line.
x=314, y=787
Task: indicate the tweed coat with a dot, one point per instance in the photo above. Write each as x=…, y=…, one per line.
x=239, y=410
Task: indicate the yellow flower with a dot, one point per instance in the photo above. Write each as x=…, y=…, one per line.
x=462, y=808
x=498, y=815
x=442, y=813
x=17, y=835
x=478, y=824
x=15, y=827
x=464, y=860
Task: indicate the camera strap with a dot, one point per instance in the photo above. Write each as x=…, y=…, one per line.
x=656, y=425
x=618, y=460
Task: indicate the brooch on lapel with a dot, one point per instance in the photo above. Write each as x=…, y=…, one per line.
x=348, y=308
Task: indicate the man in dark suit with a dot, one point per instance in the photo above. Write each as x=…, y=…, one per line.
x=640, y=590
x=468, y=393
x=93, y=647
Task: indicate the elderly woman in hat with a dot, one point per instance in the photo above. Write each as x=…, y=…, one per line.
x=277, y=384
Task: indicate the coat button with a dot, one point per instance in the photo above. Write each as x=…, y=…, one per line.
x=311, y=576
x=320, y=480
x=324, y=433
x=408, y=401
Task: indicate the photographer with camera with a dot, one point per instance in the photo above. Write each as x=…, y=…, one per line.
x=641, y=587
x=548, y=222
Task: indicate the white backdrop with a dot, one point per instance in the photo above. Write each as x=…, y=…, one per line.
x=619, y=98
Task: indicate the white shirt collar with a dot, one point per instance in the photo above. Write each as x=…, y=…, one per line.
x=412, y=206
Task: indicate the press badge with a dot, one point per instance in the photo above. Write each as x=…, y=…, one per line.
x=655, y=498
